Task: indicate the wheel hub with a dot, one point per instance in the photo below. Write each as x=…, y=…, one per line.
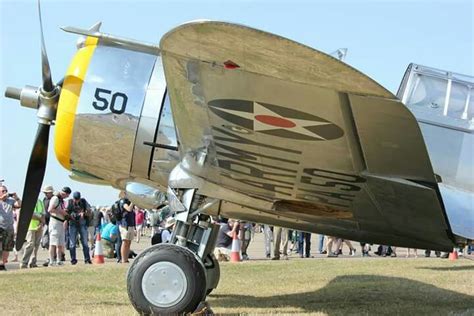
x=164, y=284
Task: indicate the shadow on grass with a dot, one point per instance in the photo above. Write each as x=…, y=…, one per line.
x=460, y=268
x=360, y=294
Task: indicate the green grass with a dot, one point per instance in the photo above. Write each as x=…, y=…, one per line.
x=316, y=286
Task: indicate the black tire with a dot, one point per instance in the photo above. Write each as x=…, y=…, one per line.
x=213, y=273
x=185, y=260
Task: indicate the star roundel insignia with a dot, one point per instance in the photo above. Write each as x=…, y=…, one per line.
x=275, y=120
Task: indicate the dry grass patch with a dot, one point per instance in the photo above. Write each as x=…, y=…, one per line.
x=316, y=286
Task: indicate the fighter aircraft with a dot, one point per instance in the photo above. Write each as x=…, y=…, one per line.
x=237, y=122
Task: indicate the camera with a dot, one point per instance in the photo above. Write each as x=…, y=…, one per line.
x=74, y=216
x=11, y=194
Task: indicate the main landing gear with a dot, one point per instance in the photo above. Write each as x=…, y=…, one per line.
x=174, y=278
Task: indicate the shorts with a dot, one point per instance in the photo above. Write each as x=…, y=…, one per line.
x=222, y=254
x=7, y=240
x=139, y=226
x=127, y=233
x=109, y=248
x=57, y=235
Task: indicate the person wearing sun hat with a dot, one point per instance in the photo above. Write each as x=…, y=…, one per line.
x=56, y=229
x=48, y=192
x=169, y=226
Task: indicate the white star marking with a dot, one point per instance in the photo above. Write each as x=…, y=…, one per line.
x=259, y=126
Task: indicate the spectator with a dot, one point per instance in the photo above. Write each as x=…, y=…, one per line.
x=94, y=225
x=164, y=212
x=79, y=212
x=280, y=237
x=7, y=203
x=470, y=249
x=428, y=253
x=384, y=250
x=109, y=236
x=246, y=231
x=154, y=221
x=139, y=222
x=33, y=237
x=224, y=240
x=293, y=237
x=148, y=222
x=365, y=249
x=56, y=229
x=115, y=215
x=106, y=215
x=304, y=238
x=127, y=226
x=16, y=215
x=414, y=251
x=48, y=194
x=268, y=237
x=321, y=249
x=330, y=241
x=341, y=243
x=167, y=232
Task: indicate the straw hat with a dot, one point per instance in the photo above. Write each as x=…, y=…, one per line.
x=170, y=222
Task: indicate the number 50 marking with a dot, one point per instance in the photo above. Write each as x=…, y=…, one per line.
x=102, y=97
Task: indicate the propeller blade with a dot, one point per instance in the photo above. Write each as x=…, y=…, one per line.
x=46, y=70
x=60, y=82
x=33, y=181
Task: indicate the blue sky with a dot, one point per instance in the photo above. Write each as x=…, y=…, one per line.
x=383, y=37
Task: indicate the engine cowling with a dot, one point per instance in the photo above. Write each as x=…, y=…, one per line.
x=107, y=124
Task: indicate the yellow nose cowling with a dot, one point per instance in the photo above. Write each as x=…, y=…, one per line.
x=69, y=99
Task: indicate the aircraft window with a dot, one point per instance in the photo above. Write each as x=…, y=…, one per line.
x=442, y=95
x=166, y=130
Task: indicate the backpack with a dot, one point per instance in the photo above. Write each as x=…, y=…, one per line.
x=116, y=211
x=45, y=239
x=156, y=239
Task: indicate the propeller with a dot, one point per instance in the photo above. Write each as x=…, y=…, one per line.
x=46, y=70
x=33, y=181
x=45, y=99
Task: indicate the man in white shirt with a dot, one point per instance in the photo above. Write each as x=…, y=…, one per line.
x=7, y=203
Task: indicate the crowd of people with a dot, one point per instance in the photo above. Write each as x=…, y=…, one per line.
x=63, y=220
x=280, y=242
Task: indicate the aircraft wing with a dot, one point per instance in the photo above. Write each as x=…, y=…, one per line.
x=280, y=121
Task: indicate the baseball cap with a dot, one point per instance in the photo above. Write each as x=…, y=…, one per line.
x=76, y=195
x=48, y=189
x=67, y=190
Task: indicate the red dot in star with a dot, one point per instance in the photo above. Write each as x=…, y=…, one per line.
x=275, y=121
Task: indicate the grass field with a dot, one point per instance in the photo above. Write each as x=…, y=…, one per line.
x=370, y=286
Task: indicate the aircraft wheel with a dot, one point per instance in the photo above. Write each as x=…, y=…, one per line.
x=166, y=279
x=213, y=272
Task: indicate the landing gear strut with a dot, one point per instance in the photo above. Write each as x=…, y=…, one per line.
x=175, y=277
